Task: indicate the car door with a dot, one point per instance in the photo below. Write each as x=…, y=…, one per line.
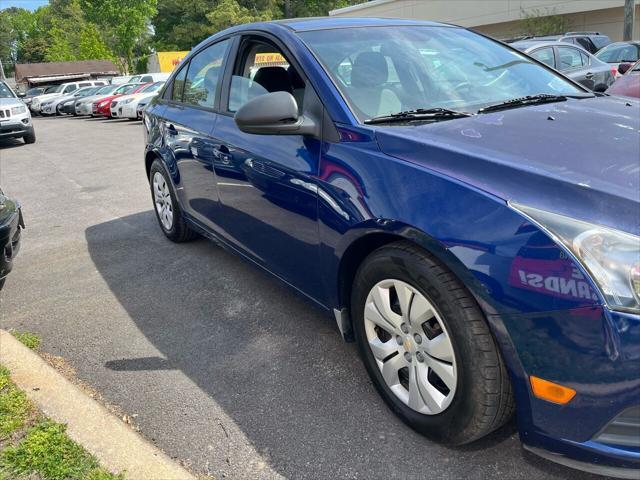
x=571, y=63
x=188, y=121
x=267, y=184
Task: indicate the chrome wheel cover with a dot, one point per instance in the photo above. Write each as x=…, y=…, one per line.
x=411, y=346
x=162, y=200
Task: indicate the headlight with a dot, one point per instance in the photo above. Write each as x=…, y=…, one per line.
x=611, y=257
x=18, y=110
x=68, y=102
x=102, y=104
x=128, y=100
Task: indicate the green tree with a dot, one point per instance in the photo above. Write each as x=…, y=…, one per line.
x=91, y=46
x=126, y=23
x=179, y=25
x=228, y=13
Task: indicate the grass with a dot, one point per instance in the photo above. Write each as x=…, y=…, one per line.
x=28, y=339
x=14, y=406
x=33, y=446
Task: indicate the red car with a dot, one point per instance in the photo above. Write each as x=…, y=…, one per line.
x=102, y=106
x=627, y=85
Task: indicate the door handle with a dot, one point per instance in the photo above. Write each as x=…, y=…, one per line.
x=589, y=75
x=222, y=154
x=171, y=129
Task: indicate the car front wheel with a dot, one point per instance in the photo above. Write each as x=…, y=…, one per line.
x=30, y=136
x=168, y=212
x=427, y=347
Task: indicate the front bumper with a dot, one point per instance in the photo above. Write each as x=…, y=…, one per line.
x=84, y=109
x=48, y=109
x=10, y=231
x=128, y=110
x=68, y=108
x=15, y=127
x=594, y=351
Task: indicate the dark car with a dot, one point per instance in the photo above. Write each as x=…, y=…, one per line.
x=441, y=194
x=627, y=85
x=574, y=62
x=590, y=41
x=620, y=52
x=68, y=106
x=29, y=94
x=11, y=225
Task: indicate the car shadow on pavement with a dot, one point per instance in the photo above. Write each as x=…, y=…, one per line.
x=276, y=363
x=7, y=143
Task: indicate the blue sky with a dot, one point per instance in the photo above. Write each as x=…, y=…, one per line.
x=28, y=4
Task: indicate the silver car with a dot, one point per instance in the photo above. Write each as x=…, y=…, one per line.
x=572, y=61
x=15, y=118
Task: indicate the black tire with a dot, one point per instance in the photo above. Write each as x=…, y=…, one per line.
x=2, y=280
x=483, y=399
x=58, y=112
x=180, y=231
x=30, y=136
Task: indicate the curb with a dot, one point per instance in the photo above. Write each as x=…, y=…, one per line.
x=116, y=446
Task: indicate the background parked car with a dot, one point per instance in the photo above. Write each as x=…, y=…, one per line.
x=149, y=77
x=68, y=106
x=590, y=41
x=62, y=89
x=84, y=106
x=575, y=62
x=32, y=92
x=11, y=225
x=15, y=118
x=627, y=85
x=620, y=52
x=102, y=106
x=53, y=105
x=127, y=104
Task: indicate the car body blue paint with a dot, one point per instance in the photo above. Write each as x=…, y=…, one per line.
x=294, y=205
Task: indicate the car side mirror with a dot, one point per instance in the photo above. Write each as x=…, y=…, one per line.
x=623, y=68
x=21, y=94
x=274, y=114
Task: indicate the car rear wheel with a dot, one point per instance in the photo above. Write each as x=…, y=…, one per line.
x=427, y=347
x=168, y=212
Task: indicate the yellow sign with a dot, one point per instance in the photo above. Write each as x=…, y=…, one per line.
x=262, y=58
x=170, y=60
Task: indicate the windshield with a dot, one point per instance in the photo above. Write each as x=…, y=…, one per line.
x=57, y=89
x=5, y=91
x=619, y=52
x=135, y=79
x=152, y=88
x=107, y=89
x=51, y=89
x=32, y=92
x=391, y=69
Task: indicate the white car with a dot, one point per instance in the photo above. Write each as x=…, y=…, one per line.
x=52, y=106
x=62, y=89
x=15, y=118
x=149, y=77
x=127, y=105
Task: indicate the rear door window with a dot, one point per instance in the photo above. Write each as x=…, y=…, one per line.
x=569, y=58
x=544, y=55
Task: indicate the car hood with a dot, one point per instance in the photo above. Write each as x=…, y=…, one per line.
x=578, y=158
x=10, y=102
x=46, y=96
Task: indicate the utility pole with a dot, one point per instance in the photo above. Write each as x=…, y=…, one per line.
x=629, y=13
x=2, y=77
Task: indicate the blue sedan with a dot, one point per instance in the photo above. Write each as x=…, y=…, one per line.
x=469, y=216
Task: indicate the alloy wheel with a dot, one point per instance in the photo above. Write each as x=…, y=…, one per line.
x=162, y=200
x=411, y=346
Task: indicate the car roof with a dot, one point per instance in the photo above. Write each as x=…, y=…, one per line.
x=327, y=23
x=529, y=44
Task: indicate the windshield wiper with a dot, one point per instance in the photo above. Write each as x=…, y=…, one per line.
x=420, y=114
x=528, y=100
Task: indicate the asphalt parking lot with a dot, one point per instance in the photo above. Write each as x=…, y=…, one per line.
x=221, y=366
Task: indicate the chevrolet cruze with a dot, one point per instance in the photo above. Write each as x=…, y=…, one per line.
x=469, y=216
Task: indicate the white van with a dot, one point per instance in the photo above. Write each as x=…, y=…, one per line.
x=149, y=77
x=63, y=89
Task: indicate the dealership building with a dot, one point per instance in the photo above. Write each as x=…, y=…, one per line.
x=503, y=18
